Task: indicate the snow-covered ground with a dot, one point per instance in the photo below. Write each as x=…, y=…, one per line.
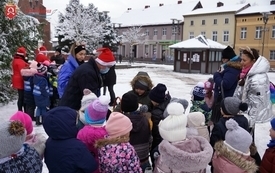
x=178, y=84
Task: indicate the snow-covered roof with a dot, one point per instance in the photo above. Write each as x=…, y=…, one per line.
x=257, y=9
x=155, y=15
x=222, y=9
x=199, y=42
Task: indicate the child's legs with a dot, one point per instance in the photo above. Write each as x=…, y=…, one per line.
x=40, y=111
x=30, y=109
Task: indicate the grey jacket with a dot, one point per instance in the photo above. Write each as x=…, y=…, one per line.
x=256, y=92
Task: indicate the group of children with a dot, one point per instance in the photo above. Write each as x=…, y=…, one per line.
x=95, y=140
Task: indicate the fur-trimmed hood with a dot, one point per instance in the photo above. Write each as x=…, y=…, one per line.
x=234, y=64
x=190, y=155
x=28, y=72
x=103, y=142
x=143, y=78
x=245, y=163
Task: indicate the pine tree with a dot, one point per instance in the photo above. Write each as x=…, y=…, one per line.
x=13, y=34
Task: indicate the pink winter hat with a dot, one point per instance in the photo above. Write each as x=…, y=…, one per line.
x=118, y=125
x=25, y=119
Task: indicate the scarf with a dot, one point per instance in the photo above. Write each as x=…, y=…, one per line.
x=271, y=143
x=244, y=72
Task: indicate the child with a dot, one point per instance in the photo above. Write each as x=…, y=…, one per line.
x=41, y=92
x=37, y=141
x=15, y=156
x=209, y=94
x=52, y=76
x=233, y=155
x=95, y=117
x=115, y=152
x=197, y=120
x=268, y=164
x=65, y=153
x=177, y=153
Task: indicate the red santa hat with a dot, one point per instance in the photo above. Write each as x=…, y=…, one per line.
x=21, y=51
x=106, y=57
x=42, y=48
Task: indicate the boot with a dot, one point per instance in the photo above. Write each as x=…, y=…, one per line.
x=37, y=121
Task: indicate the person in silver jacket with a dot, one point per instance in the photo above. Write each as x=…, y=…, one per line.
x=253, y=86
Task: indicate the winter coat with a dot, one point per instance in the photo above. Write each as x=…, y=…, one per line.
x=65, y=153
x=65, y=73
x=41, y=57
x=157, y=116
x=29, y=161
x=58, y=59
x=140, y=134
x=28, y=86
x=41, y=91
x=191, y=155
x=85, y=76
x=219, y=130
x=226, y=160
x=256, y=92
x=109, y=79
x=229, y=76
x=117, y=156
x=37, y=141
x=201, y=106
x=17, y=65
x=268, y=161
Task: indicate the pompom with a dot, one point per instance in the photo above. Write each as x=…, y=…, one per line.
x=231, y=124
x=175, y=108
x=46, y=62
x=200, y=84
x=87, y=91
x=16, y=128
x=243, y=106
x=104, y=100
x=143, y=108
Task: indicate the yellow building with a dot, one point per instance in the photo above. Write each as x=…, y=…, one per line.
x=252, y=31
x=216, y=23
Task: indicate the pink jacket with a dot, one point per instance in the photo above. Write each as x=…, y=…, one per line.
x=226, y=160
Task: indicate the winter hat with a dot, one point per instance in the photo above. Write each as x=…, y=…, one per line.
x=106, y=57
x=41, y=69
x=12, y=136
x=236, y=137
x=157, y=94
x=183, y=102
x=21, y=51
x=129, y=102
x=272, y=122
x=96, y=112
x=118, y=125
x=228, y=53
x=42, y=48
x=195, y=119
x=25, y=119
x=33, y=64
x=198, y=91
x=87, y=98
x=143, y=73
x=79, y=48
x=232, y=106
x=173, y=127
x=140, y=84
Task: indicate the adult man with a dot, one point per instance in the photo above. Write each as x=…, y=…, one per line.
x=87, y=76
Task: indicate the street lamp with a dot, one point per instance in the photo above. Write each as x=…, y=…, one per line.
x=265, y=20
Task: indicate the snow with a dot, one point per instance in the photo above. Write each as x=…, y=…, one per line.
x=258, y=9
x=178, y=84
x=133, y=35
x=199, y=42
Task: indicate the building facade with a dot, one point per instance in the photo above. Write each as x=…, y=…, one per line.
x=36, y=9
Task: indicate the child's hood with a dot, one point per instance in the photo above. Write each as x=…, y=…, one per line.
x=28, y=72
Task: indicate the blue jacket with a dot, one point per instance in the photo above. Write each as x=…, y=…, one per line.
x=229, y=76
x=65, y=153
x=41, y=91
x=65, y=73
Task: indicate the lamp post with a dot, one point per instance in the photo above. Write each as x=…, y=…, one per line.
x=265, y=20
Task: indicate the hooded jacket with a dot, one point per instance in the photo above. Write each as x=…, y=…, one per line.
x=65, y=153
x=17, y=65
x=28, y=85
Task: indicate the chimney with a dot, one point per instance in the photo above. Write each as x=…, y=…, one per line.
x=179, y=2
x=219, y=4
x=160, y=5
x=147, y=6
x=129, y=9
x=272, y=2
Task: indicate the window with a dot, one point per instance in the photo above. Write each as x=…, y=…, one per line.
x=191, y=22
x=225, y=36
x=226, y=20
x=243, y=33
x=191, y=35
x=164, y=31
x=174, y=30
x=215, y=21
x=272, y=55
x=203, y=33
x=215, y=35
x=147, y=32
x=258, y=32
x=155, y=31
x=203, y=22
x=273, y=32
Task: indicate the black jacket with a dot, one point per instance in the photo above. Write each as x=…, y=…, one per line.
x=58, y=59
x=85, y=76
x=109, y=79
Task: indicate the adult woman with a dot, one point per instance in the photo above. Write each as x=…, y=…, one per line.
x=75, y=59
x=18, y=63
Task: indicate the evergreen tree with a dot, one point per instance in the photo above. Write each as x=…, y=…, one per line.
x=24, y=31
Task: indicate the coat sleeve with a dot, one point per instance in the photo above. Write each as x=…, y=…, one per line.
x=215, y=135
x=85, y=160
x=44, y=88
x=89, y=81
x=63, y=78
x=229, y=78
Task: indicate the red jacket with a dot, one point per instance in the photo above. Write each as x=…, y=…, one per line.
x=17, y=80
x=268, y=161
x=40, y=57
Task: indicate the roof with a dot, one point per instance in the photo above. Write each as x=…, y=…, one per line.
x=155, y=15
x=199, y=42
x=257, y=9
x=222, y=9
